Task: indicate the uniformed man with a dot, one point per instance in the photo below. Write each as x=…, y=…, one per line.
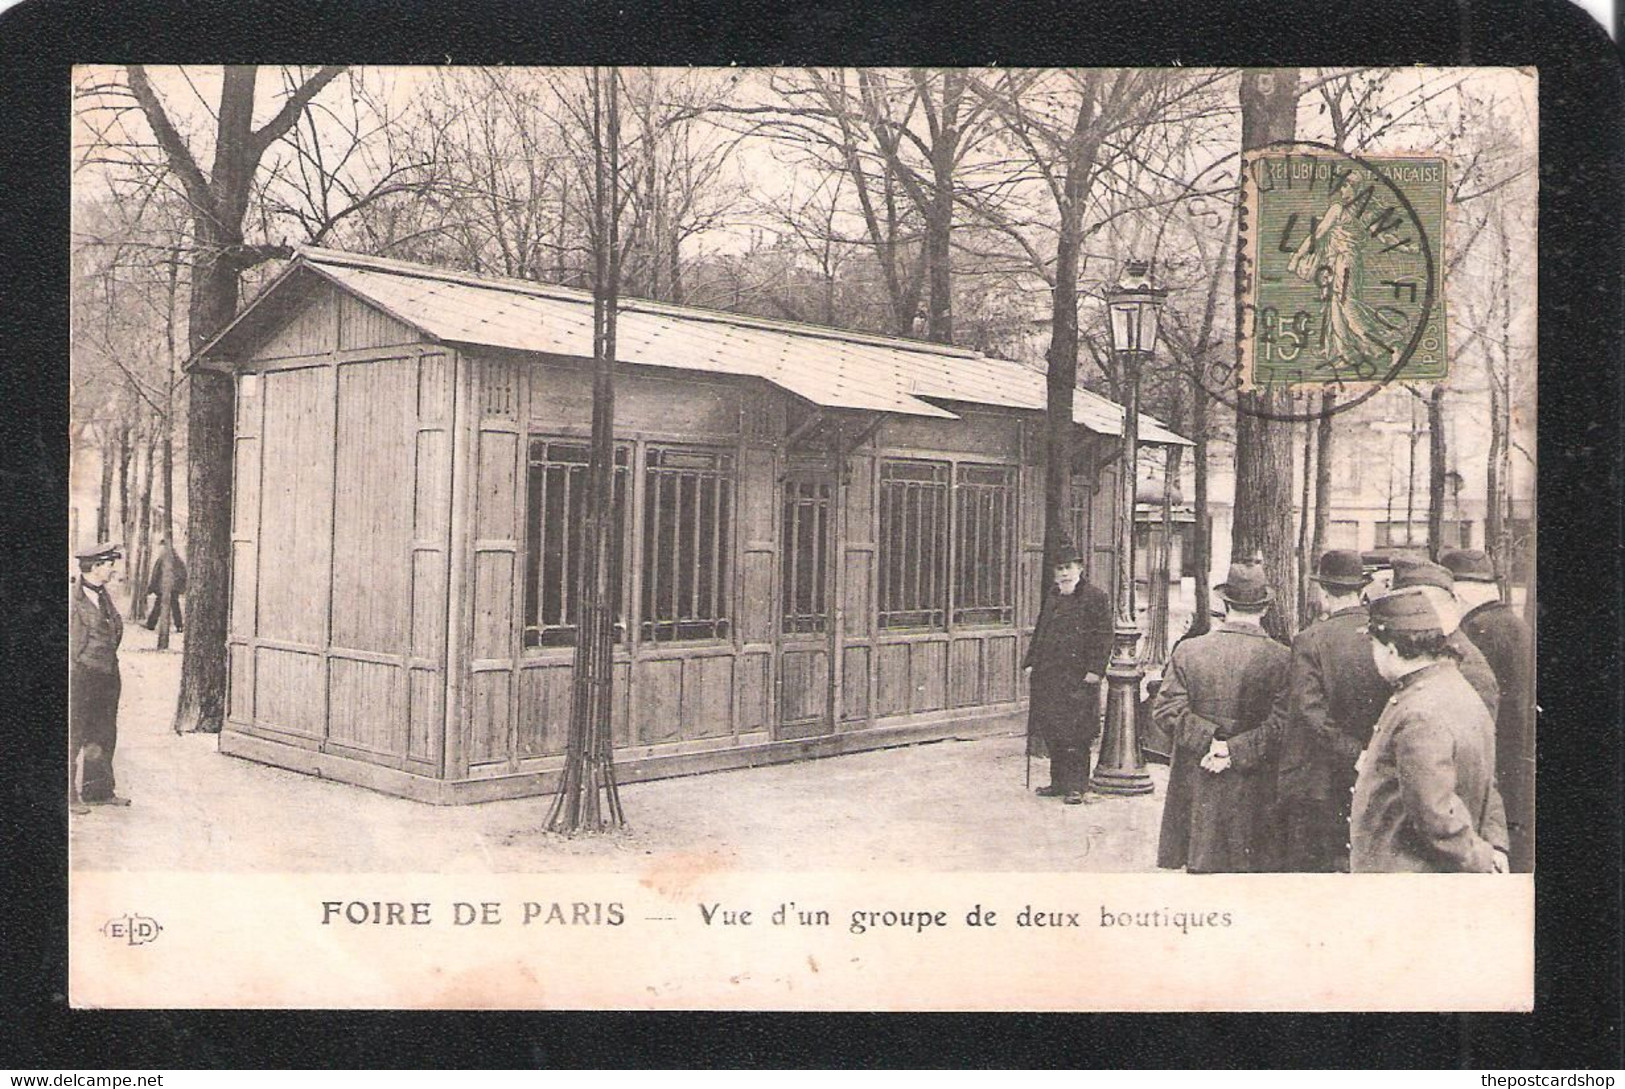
x=95, y=630
x=1215, y=702
x=1425, y=799
x=1496, y=629
x=1439, y=587
x=1066, y=660
x=1331, y=702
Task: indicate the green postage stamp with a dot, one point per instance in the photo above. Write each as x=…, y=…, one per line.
x=1344, y=277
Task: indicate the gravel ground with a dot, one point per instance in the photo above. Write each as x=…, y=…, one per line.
x=950, y=805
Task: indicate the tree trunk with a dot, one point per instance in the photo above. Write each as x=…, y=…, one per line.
x=1305, y=607
x=1263, y=511
x=126, y=451
x=141, y=570
x=1323, y=475
x=1437, y=467
x=104, y=519
x=1202, y=605
x=1061, y=379
x=202, y=701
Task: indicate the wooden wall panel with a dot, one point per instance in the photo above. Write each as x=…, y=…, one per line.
x=290, y=693
x=754, y=712
x=860, y=489
x=427, y=692
x=428, y=605
x=660, y=700
x=544, y=709
x=296, y=507
x=708, y=696
x=928, y=676
x=561, y=396
x=374, y=481
x=493, y=605
x=245, y=490
x=854, y=683
x=803, y=684
x=965, y=672
x=363, y=326
x=999, y=658
x=497, y=516
x=1101, y=570
x=987, y=434
x=431, y=493
x=891, y=669
x=309, y=331
x=241, y=706
x=367, y=706
x=620, y=714
x=857, y=610
x=434, y=389
x=488, y=717
x=757, y=610
x=243, y=588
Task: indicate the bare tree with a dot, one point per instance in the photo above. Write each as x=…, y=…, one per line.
x=219, y=256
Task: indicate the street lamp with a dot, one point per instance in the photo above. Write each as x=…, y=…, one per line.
x=1134, y=306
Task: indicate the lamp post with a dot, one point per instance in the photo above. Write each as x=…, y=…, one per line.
x=1134, y=306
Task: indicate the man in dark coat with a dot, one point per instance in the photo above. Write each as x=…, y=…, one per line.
x=167, y=583
x=1425, y=800
x=1066, y=659
x=1496, y=630
x=1439, y=587
x=1331, y=701
x=95, y=630
x=1216, y=701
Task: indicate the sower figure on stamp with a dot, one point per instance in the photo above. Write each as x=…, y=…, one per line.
x=1065, y=662
x=1216, y=702
x=1425, y=799
x=1497, y=631
x=1331, y=702
x=95, y=630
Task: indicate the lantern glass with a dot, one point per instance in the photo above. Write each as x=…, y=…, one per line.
x=1125, y=326
x=1147, y=339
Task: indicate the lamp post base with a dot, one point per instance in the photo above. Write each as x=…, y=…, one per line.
x=1122, y=769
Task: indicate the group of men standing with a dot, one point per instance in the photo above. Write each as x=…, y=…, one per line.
x=1396, y=733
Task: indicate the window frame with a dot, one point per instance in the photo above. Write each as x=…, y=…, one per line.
x=534, y=631
x=724, y=469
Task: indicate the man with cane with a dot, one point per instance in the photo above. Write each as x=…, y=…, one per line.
x=1065, y=662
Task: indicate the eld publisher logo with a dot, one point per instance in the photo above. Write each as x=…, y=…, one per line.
x=134, y=929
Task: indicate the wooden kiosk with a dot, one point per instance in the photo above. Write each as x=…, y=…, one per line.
x=830, y=541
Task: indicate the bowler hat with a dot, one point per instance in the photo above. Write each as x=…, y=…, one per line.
x=1065, y=553
x=100, y=551
x=1468, y=565
x=1406, y=611
x=1246, y=585
x=1421, y=573
x=1341, y=569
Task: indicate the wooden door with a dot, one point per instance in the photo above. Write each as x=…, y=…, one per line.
x=805, y=592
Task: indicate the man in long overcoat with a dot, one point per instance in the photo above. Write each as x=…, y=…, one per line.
x=95, y=630
x=1216, y=702
x=1067, y=658
x=1331, y=702
x=1496, y=629
x=167, y=582
x=1439, y=586
x=1425, y=799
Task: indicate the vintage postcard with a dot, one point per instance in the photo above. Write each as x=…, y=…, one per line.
x=804, y=539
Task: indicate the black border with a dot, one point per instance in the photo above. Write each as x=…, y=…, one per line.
x=1577, y=1019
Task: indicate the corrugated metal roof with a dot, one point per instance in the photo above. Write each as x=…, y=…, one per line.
x=829, y=367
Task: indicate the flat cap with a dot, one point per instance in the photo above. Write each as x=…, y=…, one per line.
x=101, y=550
x=1409, y=573
x=1468, y=564
x=1406, y=611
